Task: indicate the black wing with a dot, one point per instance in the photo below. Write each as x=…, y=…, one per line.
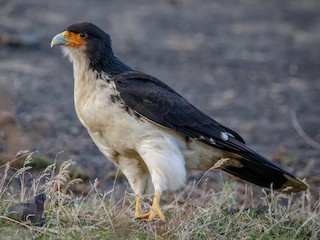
x=153, y=99
x=156, y=101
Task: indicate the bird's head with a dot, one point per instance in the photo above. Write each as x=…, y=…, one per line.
x=85, y=42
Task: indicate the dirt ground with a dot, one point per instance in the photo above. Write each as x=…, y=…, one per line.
x=248, y=64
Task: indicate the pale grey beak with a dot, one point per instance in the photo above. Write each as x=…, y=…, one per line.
x=58, y=40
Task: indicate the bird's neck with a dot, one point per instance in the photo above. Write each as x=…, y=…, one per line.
x=84, y=80
x=103, y=62
x=84, y=76
x=109, y=64
x=87, y=71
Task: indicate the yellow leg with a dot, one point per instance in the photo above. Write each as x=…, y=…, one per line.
x=138, y=207
x=155, y=211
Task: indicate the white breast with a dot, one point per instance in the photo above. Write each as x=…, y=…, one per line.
x=109, y=124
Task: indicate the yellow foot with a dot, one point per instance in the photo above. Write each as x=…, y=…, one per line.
x=155, y=212
x=152, y=214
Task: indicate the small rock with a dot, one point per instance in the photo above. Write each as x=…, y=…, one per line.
x=29, y=211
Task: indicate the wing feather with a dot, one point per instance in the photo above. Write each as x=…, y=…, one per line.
x=159, y=103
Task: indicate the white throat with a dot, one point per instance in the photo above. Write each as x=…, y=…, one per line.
x=79, y=60
x=86, y=80
x=84, y=77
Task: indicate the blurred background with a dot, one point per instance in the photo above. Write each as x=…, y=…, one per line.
x=252, y=65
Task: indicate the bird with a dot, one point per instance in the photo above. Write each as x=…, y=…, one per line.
x=148, y=130
x=29, y=211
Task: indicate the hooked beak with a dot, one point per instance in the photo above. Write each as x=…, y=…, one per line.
x=59, y=39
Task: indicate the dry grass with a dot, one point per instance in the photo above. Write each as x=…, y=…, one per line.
x=210, y=215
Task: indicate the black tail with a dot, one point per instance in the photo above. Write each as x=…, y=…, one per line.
x=256, y=169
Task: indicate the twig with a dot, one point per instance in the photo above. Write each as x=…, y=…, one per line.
x=302, y=133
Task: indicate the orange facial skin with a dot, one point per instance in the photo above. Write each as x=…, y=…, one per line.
x=73, y=39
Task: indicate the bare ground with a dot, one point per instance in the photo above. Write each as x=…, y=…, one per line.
x=248, y=64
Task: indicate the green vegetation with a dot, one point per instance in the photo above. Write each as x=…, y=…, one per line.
x=210, y=215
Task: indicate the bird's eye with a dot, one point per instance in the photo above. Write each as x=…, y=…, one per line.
x=83, y=35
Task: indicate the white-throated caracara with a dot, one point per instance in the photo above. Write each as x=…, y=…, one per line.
x=148, y=130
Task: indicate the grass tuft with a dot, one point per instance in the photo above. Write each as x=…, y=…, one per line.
x=200, y=215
